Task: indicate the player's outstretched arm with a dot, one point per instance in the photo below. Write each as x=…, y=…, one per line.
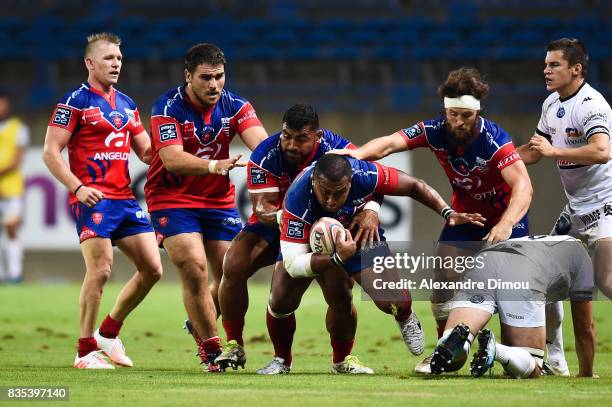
x=377, y=148
x=253, y=136
x=517, y=178
x=425, y=194
x=584, y=333
x=528, y=154
x=180, y=162
x=56, y=140
x=141, y=144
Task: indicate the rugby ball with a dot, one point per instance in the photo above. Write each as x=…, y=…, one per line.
x=323, y=234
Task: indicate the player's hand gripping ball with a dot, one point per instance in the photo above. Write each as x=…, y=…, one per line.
x=323, y=235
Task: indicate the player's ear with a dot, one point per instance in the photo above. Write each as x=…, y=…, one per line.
x=319, y=134
x=187, y=76
x=89, y=62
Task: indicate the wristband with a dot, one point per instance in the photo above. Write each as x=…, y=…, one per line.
x=373, y=206
x=212, y=166
x=336, y=260
x=77, y=188
x=446, y=212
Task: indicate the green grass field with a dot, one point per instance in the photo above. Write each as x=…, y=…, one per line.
x=39, y=326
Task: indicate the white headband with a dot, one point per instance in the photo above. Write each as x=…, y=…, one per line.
x=464, y=102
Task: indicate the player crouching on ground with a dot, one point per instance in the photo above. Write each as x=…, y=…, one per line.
x=549, y=268
x=339, y=187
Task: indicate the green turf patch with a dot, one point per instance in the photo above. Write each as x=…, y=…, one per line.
x=39, y=329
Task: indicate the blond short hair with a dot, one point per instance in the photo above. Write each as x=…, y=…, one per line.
x=92, y=39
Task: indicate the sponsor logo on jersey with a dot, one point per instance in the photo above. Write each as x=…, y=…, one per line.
x=607, y=209
x=468, y=183
x=510, y=158
x=133, y=116
x=92, y=115
x=188, y=129
x=586, y=99
x=513, y=316
x=114, y=136
x=62, y=116
x=592, y=116
x=571, y=132
x=250, y=114
x=97, y=218
x=484, y=195
x=561, y=112
x=112, y=156
x=295, y=229
x=116, y=118
x=258, y=176
x=414, y=131
x=167, y=132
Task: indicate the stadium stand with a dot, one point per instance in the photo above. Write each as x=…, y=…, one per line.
x=351, y=51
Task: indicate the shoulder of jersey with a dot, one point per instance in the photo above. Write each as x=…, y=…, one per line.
x=589, y=95
x=76, y=97
x=232, y=100
x=167, y=102
x=330, y=140
x=129, y=100
x=265, y=148
x=433, y=130
x=550, y=100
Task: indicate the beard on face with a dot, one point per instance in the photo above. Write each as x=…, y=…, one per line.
x=460, y=137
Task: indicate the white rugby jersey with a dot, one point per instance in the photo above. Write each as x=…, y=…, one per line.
x=568, y=123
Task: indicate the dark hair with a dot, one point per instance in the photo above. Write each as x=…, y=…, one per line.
x=203, y=54
x=464, y=81
x=574, y=52
x=300, y=115
x=334, y=167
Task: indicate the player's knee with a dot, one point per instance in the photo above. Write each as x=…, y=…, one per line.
x=100, y=270
x=234, y=268
x=193, y=269
x=342, y=303
x=281, y=306
x=154, y=273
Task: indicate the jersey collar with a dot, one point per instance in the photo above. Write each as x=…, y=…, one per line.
x=206, y=111
x=565, y=99
x=110, y=98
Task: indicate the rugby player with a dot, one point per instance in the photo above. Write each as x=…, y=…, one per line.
x=188, y=190
x=574, y=130
x=483, y=167
x=273, y=165
x=339, y=187
x=517, y=278
x=99, y=125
